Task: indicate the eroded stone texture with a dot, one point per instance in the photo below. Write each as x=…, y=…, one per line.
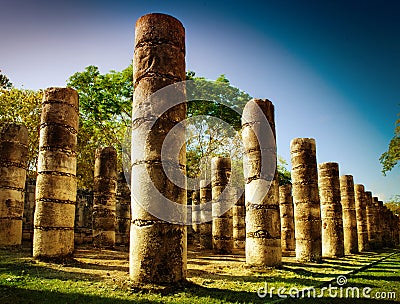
x=378, y=217
x=157, y=248
x=371, y=220
x=123, y=211
x=386, y=237
x=239, y=221
x=83, y=217
x=307, y=214
x=196, y=213
x=222, y=196
x=287, y=218
x=56, y=181
x=29, y=209
x=331, y=210
x=104, y=200
x=205, y=214
x=349, y=214
x=263, y=224
x=13, y=157
x=361, y=214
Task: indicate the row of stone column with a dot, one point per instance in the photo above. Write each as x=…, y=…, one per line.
x=332, y=216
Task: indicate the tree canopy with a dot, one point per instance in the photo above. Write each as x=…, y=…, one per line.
x=391, y=157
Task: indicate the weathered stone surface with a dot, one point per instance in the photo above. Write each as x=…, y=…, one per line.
x=56, y=181
x=287, y=218
x=196, y=213
x=263, y=225
x=29, y=209
x=361, y=214
x=239, y=221
x=205, y=213
x=349, y=214
x=104, y=200
x=307, y=214
x=331, y=210
x=123, y=211
x=13, y=157
x=222, y=196
x=378, y=217
x=83, y=217
x=371, y=220
x=157, y=248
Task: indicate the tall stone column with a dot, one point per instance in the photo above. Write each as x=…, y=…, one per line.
x=287, y=218
x=349, y=214
x=196, y=213
x=378, y=226
x=239, y=222
x=222, y=223
x=386, y=225
x=331, y=210
x=263, y=223
x=307, y=214
x=361, y=217
x=371, y=219
x=56, y=180
x=157, y=247
x=13, y=157
x=205, y=213
x=104, y=199
x=122, y=211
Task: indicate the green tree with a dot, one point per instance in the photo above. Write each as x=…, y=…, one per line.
x=394, y=204
x=5, y=83
x=391, y=157
x=23, y=106
x=105, y=104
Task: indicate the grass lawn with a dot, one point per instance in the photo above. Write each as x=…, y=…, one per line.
x=102, y=277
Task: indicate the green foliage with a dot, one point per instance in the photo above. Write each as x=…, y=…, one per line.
x=105, y=104
x=284, y=174
x=394, y=204
x=391, y=157
x=5, y=83
x=23, y=106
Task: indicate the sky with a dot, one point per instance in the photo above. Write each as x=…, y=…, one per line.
x=331, y=68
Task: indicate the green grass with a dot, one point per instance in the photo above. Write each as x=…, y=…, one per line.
x=102, y=277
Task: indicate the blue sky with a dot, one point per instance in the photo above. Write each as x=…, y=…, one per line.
x=330, y=67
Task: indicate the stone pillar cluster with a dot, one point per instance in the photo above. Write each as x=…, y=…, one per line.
x=361, y=213
x=13, y=157
x=287, y=218
x=263, y=226
x=222, y=197
x=157, y=247
x=56, y=185
x=307, y=214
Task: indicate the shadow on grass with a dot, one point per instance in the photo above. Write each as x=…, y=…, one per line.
x=13, y=295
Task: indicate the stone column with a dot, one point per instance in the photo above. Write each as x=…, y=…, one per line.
x=13, y=157
x=29, y=209
x=157, y=247
x=56, y=181
x=307, y=214
x=331, y=210
x=104, y=200
x=196, y=213
x=263, y=223
x=123, y=211
x=386, y=226
x=371, y=219
x=222, y=223
x=378, y=218
x=349, y=214
x=239, y=222
x=287, y=218
x=361, y=217
x=205, y=213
